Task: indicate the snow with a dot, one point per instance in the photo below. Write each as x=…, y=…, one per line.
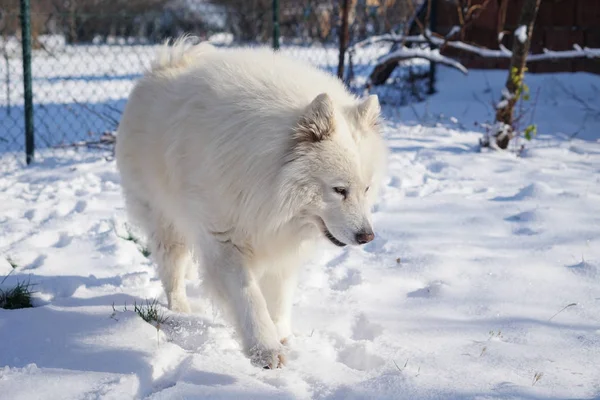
x=577, y=52
x=521, y=33
x=455, y=29
x=457, y=297
x=502, y=103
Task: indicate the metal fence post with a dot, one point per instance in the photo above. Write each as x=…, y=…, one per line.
x=432, y=28
x=343, y=39
x=7, y=62
x=28, y=95
x=276, y=24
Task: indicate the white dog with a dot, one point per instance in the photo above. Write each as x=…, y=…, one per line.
x=242, y=158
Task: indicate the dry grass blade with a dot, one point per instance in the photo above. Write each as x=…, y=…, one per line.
x=563, y=309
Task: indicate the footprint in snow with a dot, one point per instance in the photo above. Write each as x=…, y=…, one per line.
x=63, y=241
x=395, y=182
x=525, y=232
x=343, y=279
x=524, y=218
x=359, y=356
x=29, y=214
x=37, y=262
x=363, y=329
x=189, y=332
x=585, y=268
x=112, y=177
x=436, y=167
x=376, y=245
x=434, y=289
x=80, y=206
x=534, y=190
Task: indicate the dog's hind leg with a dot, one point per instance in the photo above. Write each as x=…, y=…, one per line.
x=172, y=256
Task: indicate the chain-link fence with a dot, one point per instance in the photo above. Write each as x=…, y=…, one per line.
x=87, y=54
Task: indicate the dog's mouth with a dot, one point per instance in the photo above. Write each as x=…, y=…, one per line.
x=329, y=235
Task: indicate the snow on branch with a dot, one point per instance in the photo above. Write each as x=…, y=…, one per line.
x=428, y=54
x=389, y=37
x=503, y=52
x=577, y=52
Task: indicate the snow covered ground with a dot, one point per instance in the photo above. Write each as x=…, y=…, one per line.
x=457, y=298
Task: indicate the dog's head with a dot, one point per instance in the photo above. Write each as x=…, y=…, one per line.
x=341, y=156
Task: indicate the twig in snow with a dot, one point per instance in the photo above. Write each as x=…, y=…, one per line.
x=536, y=377
x=563, y=309
x=403, y=368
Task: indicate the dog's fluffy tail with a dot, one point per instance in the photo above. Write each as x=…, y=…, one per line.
x=180, y=54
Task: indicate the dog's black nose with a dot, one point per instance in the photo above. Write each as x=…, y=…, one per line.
x=364, y=237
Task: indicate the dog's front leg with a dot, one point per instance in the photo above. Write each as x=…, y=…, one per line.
x=278, y=289
x=231, y=276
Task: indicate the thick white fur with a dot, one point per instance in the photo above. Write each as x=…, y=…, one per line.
x=233, y=156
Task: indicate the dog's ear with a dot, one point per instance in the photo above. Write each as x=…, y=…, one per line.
x=317, y=122
x=369, y=111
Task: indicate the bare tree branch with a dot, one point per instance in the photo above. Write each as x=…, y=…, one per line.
x=427, y=54
x=503, y=53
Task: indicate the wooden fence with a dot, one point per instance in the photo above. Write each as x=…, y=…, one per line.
x=560, y=24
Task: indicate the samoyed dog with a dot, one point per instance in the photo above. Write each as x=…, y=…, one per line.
x=243, y=159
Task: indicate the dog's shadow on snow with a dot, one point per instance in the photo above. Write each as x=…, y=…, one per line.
x=53, y=334
x=501, y=391
x=50, y=338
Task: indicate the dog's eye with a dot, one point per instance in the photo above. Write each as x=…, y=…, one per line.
x=341, y=191
x=367, y=189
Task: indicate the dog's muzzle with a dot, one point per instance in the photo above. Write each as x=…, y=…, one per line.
x=329, y=235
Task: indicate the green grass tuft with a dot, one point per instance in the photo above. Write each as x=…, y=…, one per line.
x=144, y=250
x=148, y=311
x=133, y=238
x=16, y=297
x=12, y=263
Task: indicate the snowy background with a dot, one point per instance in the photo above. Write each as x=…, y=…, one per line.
x=459, y=297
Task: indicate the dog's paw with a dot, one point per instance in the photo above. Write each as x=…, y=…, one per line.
x=267, y=358
x=284, y=332
x=179, y=303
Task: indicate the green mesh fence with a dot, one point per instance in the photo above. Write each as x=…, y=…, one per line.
x=87, y=55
